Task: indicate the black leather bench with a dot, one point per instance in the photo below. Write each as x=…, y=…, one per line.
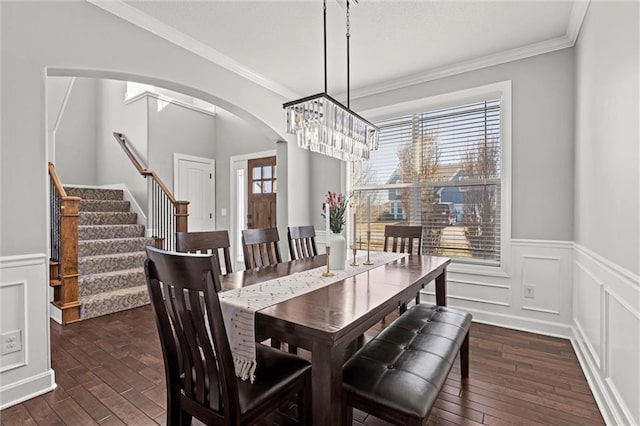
x=397, y=376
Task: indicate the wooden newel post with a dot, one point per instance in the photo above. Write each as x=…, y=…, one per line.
x=67, y=299
x=182, y=215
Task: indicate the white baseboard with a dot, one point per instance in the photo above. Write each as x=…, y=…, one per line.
x=28, y=388
x=593, y=379
x=55, y=313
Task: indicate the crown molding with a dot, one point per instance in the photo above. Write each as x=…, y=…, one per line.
x=523, y=52
x=134, y=16
x=130, y=14
x=578, y=12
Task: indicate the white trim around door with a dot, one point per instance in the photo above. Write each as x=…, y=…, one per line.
x=201, y=195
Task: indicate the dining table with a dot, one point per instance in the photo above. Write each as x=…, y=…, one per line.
x=330, y=320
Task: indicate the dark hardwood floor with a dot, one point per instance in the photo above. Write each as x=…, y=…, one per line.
x=109, y=371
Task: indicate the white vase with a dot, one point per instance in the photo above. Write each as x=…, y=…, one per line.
x=338, y=252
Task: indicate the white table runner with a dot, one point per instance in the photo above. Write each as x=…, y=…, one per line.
x=239, y=305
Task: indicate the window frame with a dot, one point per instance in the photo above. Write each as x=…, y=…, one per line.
x=500, y=90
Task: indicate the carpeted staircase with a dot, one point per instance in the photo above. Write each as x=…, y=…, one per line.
x=110, y=253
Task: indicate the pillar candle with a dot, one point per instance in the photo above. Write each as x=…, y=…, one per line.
x=369, y=213
x=354, y=230
x=327, y=213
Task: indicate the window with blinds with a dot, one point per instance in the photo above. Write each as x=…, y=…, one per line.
x=439, y=169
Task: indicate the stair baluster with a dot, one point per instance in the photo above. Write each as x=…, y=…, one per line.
x=167, y=215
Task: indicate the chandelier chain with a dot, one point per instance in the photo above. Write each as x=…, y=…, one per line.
x=348, y=36
x=324, y=19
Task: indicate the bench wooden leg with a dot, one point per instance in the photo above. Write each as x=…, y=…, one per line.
x=464, y=357
x=347, y=412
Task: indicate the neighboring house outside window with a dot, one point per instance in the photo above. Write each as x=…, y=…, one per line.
x=447, y=169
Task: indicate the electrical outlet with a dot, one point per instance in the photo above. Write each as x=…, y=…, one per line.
x=530, y=291
x=11, y=342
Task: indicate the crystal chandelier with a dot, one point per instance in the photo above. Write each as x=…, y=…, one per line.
x=322, y=124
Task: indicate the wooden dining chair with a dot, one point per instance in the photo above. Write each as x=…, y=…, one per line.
x=403, y=239
x=216, y=242
x=260, y=247
x=199, y=369
x=302, y=242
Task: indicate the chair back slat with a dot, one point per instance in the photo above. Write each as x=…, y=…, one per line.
x=402, y=238
x=216, y=242
x=260, y=247
x=302, y=242
x=183, y=290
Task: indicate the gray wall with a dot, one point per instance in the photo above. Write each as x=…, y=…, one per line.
x=176, y=129
x=235, y=136
x=607, y=217
x=542, y=136
x=114, y=167
x=75, y=138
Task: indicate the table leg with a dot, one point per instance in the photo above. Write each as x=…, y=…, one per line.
x=326, y=369
x=441, y=289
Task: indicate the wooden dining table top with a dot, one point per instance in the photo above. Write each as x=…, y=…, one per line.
x=326, y=321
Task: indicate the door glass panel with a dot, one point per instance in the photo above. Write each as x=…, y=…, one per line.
x=266, y=172
x=267, y=186
x=275, y=185
x=257, y=188
x=257, y=173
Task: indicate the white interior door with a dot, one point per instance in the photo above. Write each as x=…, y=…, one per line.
x=194, y=181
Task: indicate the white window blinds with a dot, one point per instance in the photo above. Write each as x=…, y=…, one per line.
x=439, y=169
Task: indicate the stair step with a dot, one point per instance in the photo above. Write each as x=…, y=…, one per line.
x=110, y=262
x=98, y=232
x=107, y=218
x=112, y=246
x=104, y=206
x=55, y=282
x=89, y=285
x=94, y=193
x=113, y=301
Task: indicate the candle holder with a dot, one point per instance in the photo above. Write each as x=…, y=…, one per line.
x=328, y=273
x=368, y=261
x=355, y=251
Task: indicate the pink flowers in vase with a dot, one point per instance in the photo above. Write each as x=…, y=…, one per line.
x=337, y=204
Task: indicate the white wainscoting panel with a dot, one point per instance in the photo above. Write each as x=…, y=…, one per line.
x=499, y=299
x=607, y=334
x=587, y=310
x=542, y=275
x=623, y=356
x=13, y=318
x=24, y=294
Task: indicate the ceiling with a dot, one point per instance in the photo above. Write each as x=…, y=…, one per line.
x=393, y=43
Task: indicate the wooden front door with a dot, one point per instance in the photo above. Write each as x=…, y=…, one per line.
x=261, y=199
